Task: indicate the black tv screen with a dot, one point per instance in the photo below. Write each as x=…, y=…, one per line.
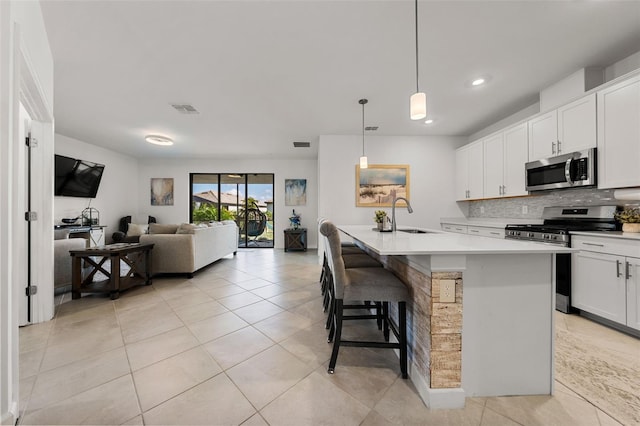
x=77, y=178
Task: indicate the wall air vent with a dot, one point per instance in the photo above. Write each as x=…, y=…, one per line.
x=185, y=109
x=301, y=144
x=371, y=128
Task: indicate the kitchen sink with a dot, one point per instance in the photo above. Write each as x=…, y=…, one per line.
x=414, y=231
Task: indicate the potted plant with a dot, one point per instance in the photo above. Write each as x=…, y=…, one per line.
x=381, y=219
x=630, y=219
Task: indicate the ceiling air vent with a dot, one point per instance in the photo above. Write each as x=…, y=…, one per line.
x=371, y=128
x=185, y=109
x=301, y=144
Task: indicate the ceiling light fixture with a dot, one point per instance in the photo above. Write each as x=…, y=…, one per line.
x=159, y=140
x=428, y=121
x=364, y=164
x=478, y=81
x=418, y=101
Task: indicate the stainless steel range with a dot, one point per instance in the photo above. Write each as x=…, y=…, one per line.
x=556, y=228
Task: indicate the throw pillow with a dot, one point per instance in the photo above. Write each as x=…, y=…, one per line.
x=156, y=228
x=186, y=228
x=135, y=229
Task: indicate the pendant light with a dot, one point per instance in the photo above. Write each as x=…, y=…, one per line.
x=418, y=102
x=364, y=164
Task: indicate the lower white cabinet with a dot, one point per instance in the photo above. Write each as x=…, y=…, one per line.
x=605, y=280
x=484, y=231
x=450, y=227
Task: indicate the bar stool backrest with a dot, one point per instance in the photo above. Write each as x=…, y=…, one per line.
x=334, y=256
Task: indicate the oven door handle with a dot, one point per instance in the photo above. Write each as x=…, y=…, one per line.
x=567, y=171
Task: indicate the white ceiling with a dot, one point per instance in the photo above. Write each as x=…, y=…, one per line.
x=266, y=73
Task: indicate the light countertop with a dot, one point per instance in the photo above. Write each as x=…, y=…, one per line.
x=490, y=222
x=437, y=242
x=610, y=234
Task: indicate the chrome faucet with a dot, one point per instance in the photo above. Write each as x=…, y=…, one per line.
x=393, y=211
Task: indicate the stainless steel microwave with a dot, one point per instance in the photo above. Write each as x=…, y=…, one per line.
x=571, y=170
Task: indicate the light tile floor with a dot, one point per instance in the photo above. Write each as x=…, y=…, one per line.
x=242, y=342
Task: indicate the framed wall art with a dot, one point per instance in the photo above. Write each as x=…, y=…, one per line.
x=161, y=191
x=295, y=192
x=377, y=184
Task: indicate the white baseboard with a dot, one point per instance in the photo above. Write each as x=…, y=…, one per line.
x=11, y=416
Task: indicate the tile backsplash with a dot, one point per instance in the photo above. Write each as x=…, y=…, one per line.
x=534, y=204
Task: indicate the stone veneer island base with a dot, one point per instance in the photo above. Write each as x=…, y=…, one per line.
x=496, y=338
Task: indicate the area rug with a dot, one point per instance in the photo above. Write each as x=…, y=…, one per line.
x=608, y=380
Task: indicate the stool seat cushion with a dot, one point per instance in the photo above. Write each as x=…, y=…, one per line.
x=351, y=250
x=374, y=284
x=360, y=261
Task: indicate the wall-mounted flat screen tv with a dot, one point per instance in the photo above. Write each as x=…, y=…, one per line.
x=77, y=178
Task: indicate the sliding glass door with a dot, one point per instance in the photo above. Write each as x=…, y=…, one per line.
x=244, y=198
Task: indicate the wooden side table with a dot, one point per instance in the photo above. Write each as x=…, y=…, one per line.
x=295, y=239
x=136, y=256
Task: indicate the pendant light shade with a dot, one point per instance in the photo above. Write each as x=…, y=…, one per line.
x=418, y=102
x=364, y=163
x=418, y=106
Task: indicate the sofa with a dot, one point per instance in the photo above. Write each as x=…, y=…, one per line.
x=62, y=271
x=187, y=248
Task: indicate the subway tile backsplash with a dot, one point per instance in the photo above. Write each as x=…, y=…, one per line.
x=534, y=204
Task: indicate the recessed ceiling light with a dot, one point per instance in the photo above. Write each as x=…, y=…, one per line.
x=428, y=121
x=158, y=140
x=478, y=82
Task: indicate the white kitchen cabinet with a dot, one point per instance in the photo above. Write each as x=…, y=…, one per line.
x=632, y=269
x=469, y=172
x=599, y=285
x=485, y=231
x=543, y=136
x=605, y=278
x=494, y=165
x=505, y=155
x=452, y=227
x=619, y=135
x=569, y=128
x=577, y=125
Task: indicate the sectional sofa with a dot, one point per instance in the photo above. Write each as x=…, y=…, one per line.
x=187, y=248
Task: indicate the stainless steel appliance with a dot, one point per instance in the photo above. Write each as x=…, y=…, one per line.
x=556, y=228
x=571, y=170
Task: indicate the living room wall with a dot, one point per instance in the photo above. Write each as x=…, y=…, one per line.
x=118, y=192
x=179, y=170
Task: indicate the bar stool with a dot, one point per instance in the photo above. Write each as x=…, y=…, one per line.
x=363, y=284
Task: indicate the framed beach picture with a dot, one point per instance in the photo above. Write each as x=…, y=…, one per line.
x=377, y=184
x=161, y=191
x=295, y=192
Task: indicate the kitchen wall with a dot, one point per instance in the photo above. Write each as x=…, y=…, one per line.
x=118, y=192
x=432, y=177
x=179, y=170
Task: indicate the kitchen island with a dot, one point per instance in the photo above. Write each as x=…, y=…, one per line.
x=495, y=336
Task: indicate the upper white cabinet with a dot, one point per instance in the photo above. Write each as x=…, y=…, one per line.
x=619, y=135
x=494, y=165
x=469, y=171
x=569, y=128
x=543, y=136
x=505, y=154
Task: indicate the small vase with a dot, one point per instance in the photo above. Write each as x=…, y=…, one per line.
x=631, y=227
x=380, y=225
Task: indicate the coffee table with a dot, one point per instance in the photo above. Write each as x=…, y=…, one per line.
x=136, y=255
